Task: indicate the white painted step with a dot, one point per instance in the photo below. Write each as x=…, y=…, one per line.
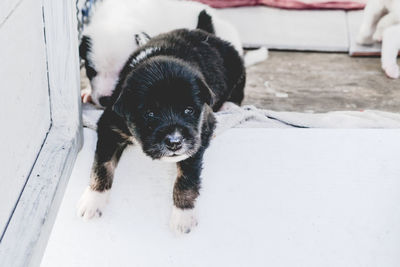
x=270, y=197
x=315, y=30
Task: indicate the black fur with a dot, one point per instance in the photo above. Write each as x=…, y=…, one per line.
x=84, y=50
x=141, y=38
x=205, y=22
x=169, y=93
x=84, y=47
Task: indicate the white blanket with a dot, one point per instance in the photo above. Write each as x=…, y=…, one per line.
x=251, y=117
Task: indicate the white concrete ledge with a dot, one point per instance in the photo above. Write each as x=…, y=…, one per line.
x=270, y=197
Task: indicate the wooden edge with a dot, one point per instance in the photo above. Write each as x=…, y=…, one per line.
x=29, y=229
x=275, y=47
x=366, y=54
x=364, y=51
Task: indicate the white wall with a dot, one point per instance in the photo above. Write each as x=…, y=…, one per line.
x=40, y=126
x=24, y=99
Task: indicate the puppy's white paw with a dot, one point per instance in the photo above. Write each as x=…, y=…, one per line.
x=392, y=71
x=86, y=95
x=364, y=39
x=183, y=220
x=92, y=203
x=227, y=106
x=377, y=36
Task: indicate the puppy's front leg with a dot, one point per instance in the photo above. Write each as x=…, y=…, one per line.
x=186, y=191
x=110, y=145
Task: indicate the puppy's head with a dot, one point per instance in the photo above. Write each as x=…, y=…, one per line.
x=164, y=102
x=104, y=60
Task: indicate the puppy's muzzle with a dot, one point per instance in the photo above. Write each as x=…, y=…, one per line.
x=105, y=101
x=173, y=141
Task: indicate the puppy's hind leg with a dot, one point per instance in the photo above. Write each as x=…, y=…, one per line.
x=228, y=32
x=253, y=57
x=390, y=50
x=228, y=106
x=372, y=13
x=237, y=94
x=110, y=145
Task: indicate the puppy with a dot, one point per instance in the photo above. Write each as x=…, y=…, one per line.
x=390, y=50
x=116, y=31
x=379, y=25
x=164, y=102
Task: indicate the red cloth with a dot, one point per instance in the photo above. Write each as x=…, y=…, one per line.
x=290, y=4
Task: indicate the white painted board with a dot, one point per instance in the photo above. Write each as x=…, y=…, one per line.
x=25, y=238
x=270, y=197
x=289, y=29
x=24, y=102
x=7, y=8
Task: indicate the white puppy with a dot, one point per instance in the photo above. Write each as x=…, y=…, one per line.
x=118, y=27
x=380, y=21
x=390, y=50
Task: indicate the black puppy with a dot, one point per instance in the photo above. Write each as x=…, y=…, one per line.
x=164, y=101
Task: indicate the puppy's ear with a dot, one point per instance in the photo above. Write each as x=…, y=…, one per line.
x=119, y=107
x=141, y=38
x=84, y=47
x=206, y=94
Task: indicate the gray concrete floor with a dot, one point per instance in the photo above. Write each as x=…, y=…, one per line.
x=320, y=82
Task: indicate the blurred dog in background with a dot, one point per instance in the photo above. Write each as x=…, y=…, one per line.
x=381, y=23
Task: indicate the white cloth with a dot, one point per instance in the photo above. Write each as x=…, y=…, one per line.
x=251, y=117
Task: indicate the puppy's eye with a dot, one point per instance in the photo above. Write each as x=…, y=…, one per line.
x=189, y=111
x=149, y=114
x=90, y=72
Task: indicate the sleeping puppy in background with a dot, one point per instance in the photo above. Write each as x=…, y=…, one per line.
x=164, y=102
x=117, y=28
x=115, y=32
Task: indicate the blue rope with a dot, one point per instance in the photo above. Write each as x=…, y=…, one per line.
x=86, y=11
x=84, y=14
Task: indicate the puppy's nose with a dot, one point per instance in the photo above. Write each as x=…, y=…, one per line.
x=173, y=141
x=105, y=100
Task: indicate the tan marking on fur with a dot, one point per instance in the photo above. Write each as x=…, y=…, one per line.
x=179, y=171
x=108, y=168
x=184, y=199
x=125, y=136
